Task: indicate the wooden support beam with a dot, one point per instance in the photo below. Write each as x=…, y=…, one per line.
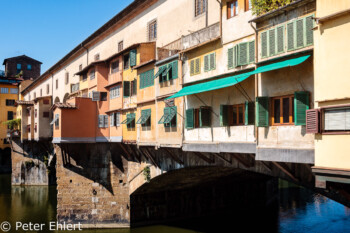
x=133, y=155
x=241, y=160
x=147, y=153
x=126, y=151
x=285, y=170
x=205, y=158
x=266, y=165
x=174, y=157
x=223, y=158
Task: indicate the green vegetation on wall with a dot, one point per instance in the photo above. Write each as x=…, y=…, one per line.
x=260, y=7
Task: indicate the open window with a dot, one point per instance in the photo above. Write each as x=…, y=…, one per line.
x=129, y=121
x=239, y=114
x=198, y=118
x=169, y=117
x=145, y=119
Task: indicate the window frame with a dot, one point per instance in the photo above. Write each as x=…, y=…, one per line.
x=120, y=46
x=322, y=123
x=152, y=25
x=92, y=74
x=291, y=110
x=198, y=11
x=29, y=67
x=116, y=69
x=229, y=9
x=126, y=65
x=247, y=5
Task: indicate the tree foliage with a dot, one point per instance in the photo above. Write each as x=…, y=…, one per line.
x=260, y=7
x=13, y=124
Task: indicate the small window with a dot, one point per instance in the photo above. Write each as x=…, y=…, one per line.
x=34, y=95
x=47, y=88
x=103, y=96
x=200, y=6
x=133, y=86
x=247, y=5
x=67, y=78
x=152, y=30
x=80, y=67
x=232, y=9
x=10, y=102
x=84, y=77
x=120, y=46
x=114, y=92
x=195, y=66
x=46, y=101
x=41, y=92
x=4, y=90
x=103, y=121
x=97, y=57
x=92, y=74
x=19, y=68
x=115, y=67
x=28, y=128
x=282, y=110
x=36, y=127
x=9, y=115
x=46, y=114
x=29, y=67
x=14, y=90
x=57, y=121
x=35, y=113
x=115, y=119
x=198, y=118
x=336, y=119
x=145, y=119
x=56, y=84
x=126, y=61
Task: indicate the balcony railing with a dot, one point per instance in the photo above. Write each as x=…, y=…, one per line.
x=201, y=36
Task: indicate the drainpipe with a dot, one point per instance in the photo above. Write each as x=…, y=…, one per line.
x=206, y=13
x=256, y=76
x=87, y=53
x=220, y=20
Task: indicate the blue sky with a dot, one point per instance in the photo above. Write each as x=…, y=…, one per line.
x=46, y=30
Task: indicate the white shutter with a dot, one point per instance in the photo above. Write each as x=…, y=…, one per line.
x=100, y=121
x=95, y=96
x=112, y=119
x=118, y=118
x=105, y=121
x=337, y=119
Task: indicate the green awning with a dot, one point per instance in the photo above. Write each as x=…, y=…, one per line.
x=145, y=115
x=129, y=119
x=169, y=114
x=160, y=71
x=230, y=81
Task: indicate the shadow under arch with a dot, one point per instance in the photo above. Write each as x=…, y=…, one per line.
x=65, y=98
x=205, y=198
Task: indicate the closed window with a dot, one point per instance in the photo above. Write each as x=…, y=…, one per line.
x=147, y=79
x=92, y=74
x=120, y=46
x=337, y=119
x=29, y=67
x=152, y=30
x=232, y=9
x=4, y=90
x=114, y=92
x=195, y=66
x=239, y=114
x=209, y=62
x=200, y=6
x=9, y=115
x=19, y=68
x=10, y=102
x=84, y=77
x=282, y=110
x=14, y=90
x=102, y=121
x=97, y=57
x=114, y=66
x=56, y=84
x=47, y=88
x=67, y=78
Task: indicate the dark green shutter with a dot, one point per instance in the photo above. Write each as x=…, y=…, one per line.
x=243, y=54
x=264, y=44
x=280, y=39
x=205, y=117
x=142, y=80
x=190, y=118
x=272, y=42
x=236, y=55
x=249, y=113
x=197, y=69
x=126, y=88
x=262, y=111
x=212, y=61
x=133, y=57
x=174, y=69
x=300, y=33
x=151, y=77
x=192, y=67
x=301, y=104
x=252, y=51
x=290, y=36
x=230, y=62
x=224, y=115
x=206, y=63
x=134, y=87
x=309, y=34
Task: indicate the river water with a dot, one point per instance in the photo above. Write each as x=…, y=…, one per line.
x=299, y=210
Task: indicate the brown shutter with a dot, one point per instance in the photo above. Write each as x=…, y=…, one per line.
x=313, y=121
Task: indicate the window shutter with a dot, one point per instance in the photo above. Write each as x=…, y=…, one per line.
x=198, y=66
x=126, y=87
x=112, y=119
x=224, y=115
x=309, y=34
x=243, y=54
x=300, y=33
x=118, y=119
x=236, y=55
x=192, y=67
x=262, y=111
x=141, y=80
x=174, y=69
x=133, y=57
x=190, y=118
x=246, y=113
x=290, y=36
x=280, y=39
x=205, y=117
x=249, y=113
x=313, y=121
x=272, y=42
x=264, y=44
x=212, y=61
x=206, y=63
x=105, y=121
x=134, y=83
x=251, y=52
x=301, y=104
x=230, y=63
x=100, y=121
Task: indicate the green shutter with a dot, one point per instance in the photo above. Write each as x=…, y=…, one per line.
x=236, y=55
x=230, y=62
x=249, y=113
x=290, y=36
x=272, y=42
x=142, y=80
x=134, y=87
x=300, y=33
x=262, y=111
x=309, y=34
x=197, y=69
x=206, y=63
x=190, y=118
x=174, y=69
x=264, y=44
x=252, y=51
x=151, y=77
x=243, y=54
x=133, y=57
x=301, y=104
x=280, y=39
x=212, y=61
x=205, y=117
x=224, y=115
x=126, y=88
x=192, y=67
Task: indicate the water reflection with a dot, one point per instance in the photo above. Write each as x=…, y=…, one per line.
x=299, y=210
